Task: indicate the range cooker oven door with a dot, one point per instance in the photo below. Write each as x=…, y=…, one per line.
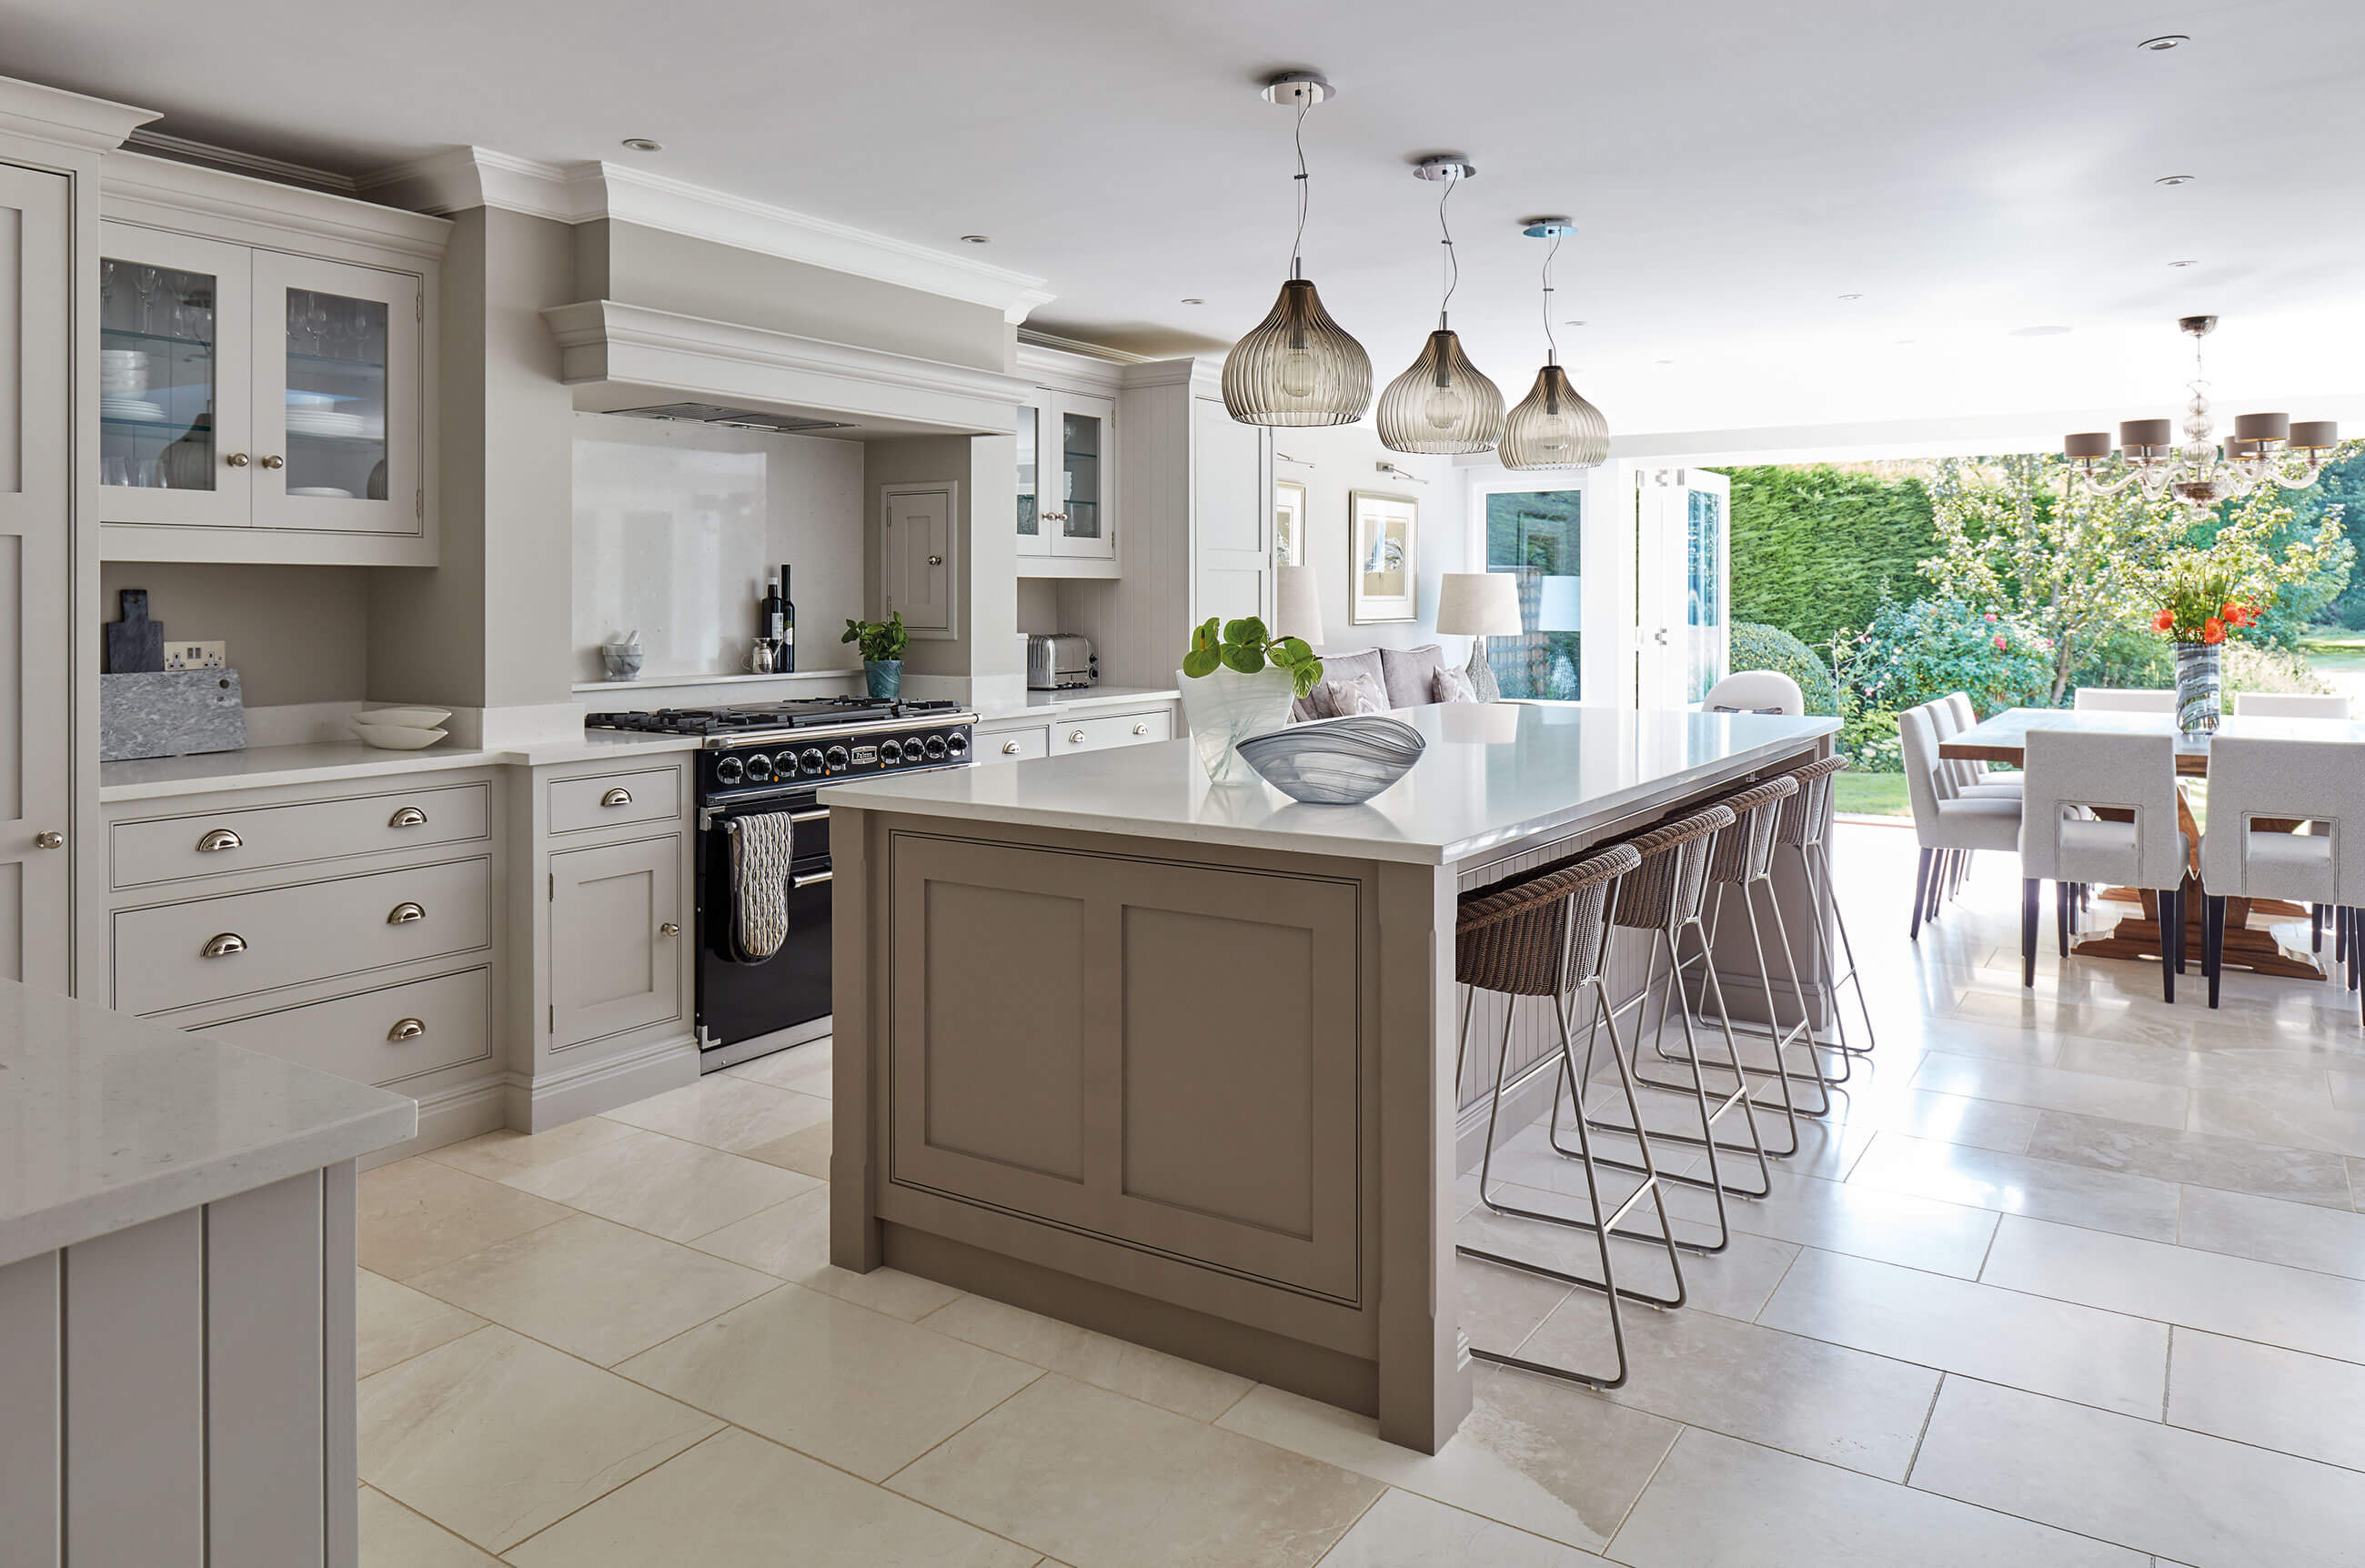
x=738, y=1001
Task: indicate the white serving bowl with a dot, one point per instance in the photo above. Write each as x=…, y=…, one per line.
x=407, y=718
x=399, y=737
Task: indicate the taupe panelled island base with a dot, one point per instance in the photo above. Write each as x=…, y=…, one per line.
x=1176, y=1062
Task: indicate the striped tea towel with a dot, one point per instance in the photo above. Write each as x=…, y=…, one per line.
x=759, y=884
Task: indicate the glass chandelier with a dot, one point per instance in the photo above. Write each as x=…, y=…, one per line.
x=1298, y=367
x=1442, y=404
x=1552, y=427
x=2198, y=473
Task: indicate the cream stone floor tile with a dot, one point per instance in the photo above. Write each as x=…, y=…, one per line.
x=858, y=1390
x=394, y=1537
x=1809, y=1396
x=494, y=1436
x=1868, y=1222
x=2049, y=1346
x=2156, y=1488
x=2276, y=1119
x=416, y=1215
x=1970, y=1038
x=2295, y=1308
x=592, y=1288
x=1720, y=1503
x=394, y=1322
x=2052, y=1089
x=2234, y=1164
x=1107, y=1482
x=1500, y=1306
x=2349, y=1090
x=1948, y=1118
x=1404, y=1529
x=805, y=1068
x=1734, y=1281
x=1532, y=1453
x=735, y=1501
x=2013, y=1183
x=2268, y=1398
x=791, y=1241
x=2306, y=1235
x=502, y=1152
x=663, y=1185
x=806, y=1152
x=725, y=1112
x=1137, y=1372
x=2356, y=1184
x=2250, y=1071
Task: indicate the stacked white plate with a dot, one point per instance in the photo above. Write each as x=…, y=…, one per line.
x=323, y=422
x=401, y=729
x=123, y=372
x=122, y=406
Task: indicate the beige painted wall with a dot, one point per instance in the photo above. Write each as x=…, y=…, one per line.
x=985, y=468
x=1343, y=457
x=295, y=633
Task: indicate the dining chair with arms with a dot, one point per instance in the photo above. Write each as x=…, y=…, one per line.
x=1944, y=824
x=2283, y=782
x=2123, y=700
x=2063, y=841
x=2292, y=704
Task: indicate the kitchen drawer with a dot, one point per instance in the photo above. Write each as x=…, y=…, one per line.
x=1121, y=729
x=210, y=844
x=614, y=800
x=289, y=936
x=379, y=1036
x=1014, y=746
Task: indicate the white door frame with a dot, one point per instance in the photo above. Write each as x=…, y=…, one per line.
x=1662, y=635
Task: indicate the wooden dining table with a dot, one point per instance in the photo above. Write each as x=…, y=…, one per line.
x=2251, y=942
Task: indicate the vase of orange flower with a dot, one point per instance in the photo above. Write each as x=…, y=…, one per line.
x=2200, y=613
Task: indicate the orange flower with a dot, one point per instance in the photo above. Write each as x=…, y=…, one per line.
x=2163, y=620
x=2212, y=630
x=2230, y=614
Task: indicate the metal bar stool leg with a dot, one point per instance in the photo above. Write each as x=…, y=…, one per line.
x=1820, y=892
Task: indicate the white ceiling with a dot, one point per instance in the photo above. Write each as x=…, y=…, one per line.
x=1969, y=168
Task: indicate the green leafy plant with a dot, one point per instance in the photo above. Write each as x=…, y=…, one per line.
x=2198, y=604
x=881, y=642
x=1756, y=647
x=1246, y=646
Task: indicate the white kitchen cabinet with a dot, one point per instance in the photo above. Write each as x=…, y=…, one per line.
x=259, y=401
x=917, y=537
x=1067, y=476
x=616, y=936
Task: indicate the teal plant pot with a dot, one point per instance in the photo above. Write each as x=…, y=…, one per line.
x=885, y=676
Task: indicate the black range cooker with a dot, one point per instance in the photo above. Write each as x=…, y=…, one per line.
x=773, y=757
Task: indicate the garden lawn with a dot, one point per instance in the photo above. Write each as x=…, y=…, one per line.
x=1872, y=795
x=2339, y=658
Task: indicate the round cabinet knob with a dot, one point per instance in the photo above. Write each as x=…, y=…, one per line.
x=619, y=796
x=48, y=841
x=1010, y=748
x=410, y=816
x=935, y=560
x=223, y=946
x=729, y=770
x=405, y=914
x=1075, y=737
x=274, y=461
x=217, y=840
x=236, y=460
x=406, y=1029
x=668, y=929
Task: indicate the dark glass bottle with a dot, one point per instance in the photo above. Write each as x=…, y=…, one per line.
x=767, y=619
x=784, y=654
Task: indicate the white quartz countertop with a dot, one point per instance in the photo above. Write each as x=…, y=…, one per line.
x=109, y=1121
x=1044, y=703
x=1492, y=774
x=259, y=768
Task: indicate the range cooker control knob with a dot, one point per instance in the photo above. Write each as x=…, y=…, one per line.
x=729, y=770
x=808, y=761
x=837, y=759
x=759, y=768
x=936, y=748
x=957, y=747
x=891, y=752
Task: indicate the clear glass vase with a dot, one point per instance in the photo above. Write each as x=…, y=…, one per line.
x=2199, y=686
x=1226, y=708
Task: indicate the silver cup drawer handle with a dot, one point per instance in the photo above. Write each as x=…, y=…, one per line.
x=405, y=913
x=410, y=816
x=224, y=945
x=406, y=1029
x=220, y=839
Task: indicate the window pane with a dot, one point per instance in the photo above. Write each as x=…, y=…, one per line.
x=1705, y=590
x=1537, y=537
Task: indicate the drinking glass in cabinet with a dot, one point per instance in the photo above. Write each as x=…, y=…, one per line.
x=1079, y=467
x=336, y=395
x=155, y=377
x=1029, y=487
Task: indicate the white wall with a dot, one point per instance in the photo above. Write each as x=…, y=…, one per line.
x=1335, y=460
x=677, y=526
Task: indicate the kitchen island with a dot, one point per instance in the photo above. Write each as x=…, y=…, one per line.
x=1176, y=1062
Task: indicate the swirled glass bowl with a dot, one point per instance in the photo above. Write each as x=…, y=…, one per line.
x=1335, y=762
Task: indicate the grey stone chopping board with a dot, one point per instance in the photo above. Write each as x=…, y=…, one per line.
x=170, y=712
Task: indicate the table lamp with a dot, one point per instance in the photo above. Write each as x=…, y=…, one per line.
x=1479, y=605
x=1297, y=605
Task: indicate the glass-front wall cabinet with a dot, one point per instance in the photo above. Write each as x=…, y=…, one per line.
x=1031, y=486
x=173, y=347
x=1065, y=490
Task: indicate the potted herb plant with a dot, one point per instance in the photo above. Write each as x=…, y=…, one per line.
x=2200, y=613
x=882, y=643
x=1238, y=680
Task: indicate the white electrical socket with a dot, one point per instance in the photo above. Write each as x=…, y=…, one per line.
x=195, y=656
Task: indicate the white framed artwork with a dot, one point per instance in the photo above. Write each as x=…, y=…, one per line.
x=1288, y=523
x=1383, y=574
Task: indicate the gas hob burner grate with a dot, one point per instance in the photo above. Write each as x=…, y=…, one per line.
x=803, y=713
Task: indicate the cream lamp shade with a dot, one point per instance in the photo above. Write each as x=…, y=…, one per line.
x=1479, y=604
x=1297, y=605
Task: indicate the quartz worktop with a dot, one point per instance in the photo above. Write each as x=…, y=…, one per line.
x=107, y=1121
x=1075, y=700
x=259, y=768
x=1493, y=773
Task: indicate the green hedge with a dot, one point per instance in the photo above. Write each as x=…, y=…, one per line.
x=1815, y=550
x=1769, y=648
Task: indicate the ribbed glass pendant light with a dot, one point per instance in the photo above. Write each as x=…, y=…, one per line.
x=1552, y=427
x=1298, y=367
x=1443, y=403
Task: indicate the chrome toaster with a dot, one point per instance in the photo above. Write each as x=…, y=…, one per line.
x=1060, y=664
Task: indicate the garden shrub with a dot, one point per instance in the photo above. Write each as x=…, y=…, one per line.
x=1756, y=647
x=1815, y=548
x=1912, y=652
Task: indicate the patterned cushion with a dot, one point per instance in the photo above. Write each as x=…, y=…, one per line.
x=1451, y=686
x=1363, y=662
x=1345, y=699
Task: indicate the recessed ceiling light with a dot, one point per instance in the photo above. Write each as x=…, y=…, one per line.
x=643, y=144
x=1903, y=341
x=2038, y=331
x=1851, y=296
x=977, y=239
x=1571, y=323
x=1194, y=302
x=2176, y=179
x=2165, y=42
x=2184, y=263
x=1663, y=362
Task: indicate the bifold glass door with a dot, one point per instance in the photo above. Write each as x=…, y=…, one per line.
x=1681, y=631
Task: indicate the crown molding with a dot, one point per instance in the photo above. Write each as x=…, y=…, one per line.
x=582, y=193
x=255, y=165
x=66, y=119
x=1029, y=337
x=166, y=193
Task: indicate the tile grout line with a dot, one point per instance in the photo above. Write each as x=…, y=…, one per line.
x=620, y=1485
x=1360, y=1516
x=1923, y=1435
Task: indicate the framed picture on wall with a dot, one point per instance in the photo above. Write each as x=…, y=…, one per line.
x=1288, y=523
x=1383, y=575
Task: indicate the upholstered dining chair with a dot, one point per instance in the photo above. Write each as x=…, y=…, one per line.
x=1979, y=778
x=1755, y=691
x=1945, y=824
x=2319, y=782
x=2063, y=842
x=2123, y=700
x=2290, y=705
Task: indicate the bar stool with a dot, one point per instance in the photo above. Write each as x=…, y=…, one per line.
x=1805, y=829
x=1664, y=896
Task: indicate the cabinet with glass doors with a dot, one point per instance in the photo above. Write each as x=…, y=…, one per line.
x=1067, y=478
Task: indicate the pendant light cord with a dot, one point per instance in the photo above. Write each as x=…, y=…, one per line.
x=1296, y=267
x=1452, y=263
x=1553, y=341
